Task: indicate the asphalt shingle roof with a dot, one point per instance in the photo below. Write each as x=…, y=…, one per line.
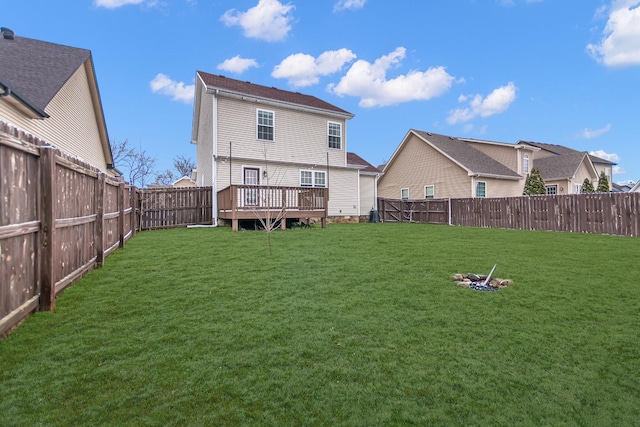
x=265, y=92
x=461, y=151
x=35, y=70
x=354, y=159
x=560, y=167
x=562, y=150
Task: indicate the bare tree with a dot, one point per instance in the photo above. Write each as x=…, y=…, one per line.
x=165, y=178
x=137, y=165
x=184, y=165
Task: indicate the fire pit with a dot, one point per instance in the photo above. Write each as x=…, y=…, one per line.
x=480, y=282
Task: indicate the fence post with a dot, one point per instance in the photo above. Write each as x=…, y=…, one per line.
x=121, y=214
x=134, y=210
x=100, y=187
x=47, y=230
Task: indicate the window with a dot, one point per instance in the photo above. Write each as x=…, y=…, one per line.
x=525, y=163
x=481, y=189
x=429, y=192
x=313, y=178
x=578, y=188
x=552, y=189
x=404, y=194
x=265, y=125
x=335, y=135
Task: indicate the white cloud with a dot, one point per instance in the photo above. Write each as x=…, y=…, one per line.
x=178, y=91
x=612, y=157
x=237, y=64
x=349, y=5
x=269, y=20
x=618, y=170
x=304, y=70
x=112, y=4
x=496, y=102
x=620, y=45
x=594, y=133
x=369, y=82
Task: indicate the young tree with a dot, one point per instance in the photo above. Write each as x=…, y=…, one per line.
x=603, y=183
x=587, y=186
x=534, y=183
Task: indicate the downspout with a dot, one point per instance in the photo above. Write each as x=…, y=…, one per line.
x=214, y=162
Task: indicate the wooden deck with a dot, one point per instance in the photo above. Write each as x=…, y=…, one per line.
x=270, y=203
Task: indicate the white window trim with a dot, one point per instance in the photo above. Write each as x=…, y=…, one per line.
x=402, y=191
x=434, y=191
x=485, y=188
x=328, y=135
x=313, y=178
x=525, y=163
x=547, y=187
x=273, y=114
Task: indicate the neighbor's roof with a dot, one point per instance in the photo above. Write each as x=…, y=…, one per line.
x=560, y=167
x=463, y=153
x=35, y=70
x=354, y=159
x=270, y=93
x=562, y=150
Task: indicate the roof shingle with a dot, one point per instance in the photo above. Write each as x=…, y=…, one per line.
x=265, y=92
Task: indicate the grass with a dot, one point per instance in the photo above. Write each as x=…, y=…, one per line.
x=354, y=325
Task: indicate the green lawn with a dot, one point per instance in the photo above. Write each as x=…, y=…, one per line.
x=354, y=325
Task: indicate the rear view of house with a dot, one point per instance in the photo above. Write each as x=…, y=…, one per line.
x=50, y=91
x=268, y=151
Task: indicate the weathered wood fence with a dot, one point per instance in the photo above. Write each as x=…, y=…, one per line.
x=174, y=207
x=59, y=219
x=600, y=213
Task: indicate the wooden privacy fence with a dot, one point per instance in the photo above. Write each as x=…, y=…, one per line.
x=600, y=213
x=59, y=218
x=174, y=207
x=428, y=211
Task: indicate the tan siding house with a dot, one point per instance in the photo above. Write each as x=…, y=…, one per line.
x=248, y=135
x=429, y=165
x=51, y=91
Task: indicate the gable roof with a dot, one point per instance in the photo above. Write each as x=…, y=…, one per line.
x=561, y=167
x=354, y=159
x=562, y=150
x=465, y=155
x=34, y=71
x=268, y=93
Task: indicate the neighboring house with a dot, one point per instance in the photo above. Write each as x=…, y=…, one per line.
x=185, y=181
x=635, y=188
x=429, y=165
x=50, y=91
x=565, y=169
x=252, y=138
x=621, y=188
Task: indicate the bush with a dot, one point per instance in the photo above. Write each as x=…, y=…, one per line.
x=534, y=183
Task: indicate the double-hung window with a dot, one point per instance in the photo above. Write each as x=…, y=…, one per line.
x=404, y=193
x=265, y=127
x=525, y=163
x=334, y=131
x=429, y=192
x=481, y=189
x=309, y=178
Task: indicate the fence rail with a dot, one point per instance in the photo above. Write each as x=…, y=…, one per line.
x=600, y=213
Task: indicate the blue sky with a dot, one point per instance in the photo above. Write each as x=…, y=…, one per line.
x=550, y=71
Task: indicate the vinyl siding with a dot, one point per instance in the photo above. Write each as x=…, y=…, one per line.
x=299, y=137
x=343, y=192
x=72, y=127
x=367, y=194
x=204, y=148
x=583, y=172
x=416, y=165
x=507, y=155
